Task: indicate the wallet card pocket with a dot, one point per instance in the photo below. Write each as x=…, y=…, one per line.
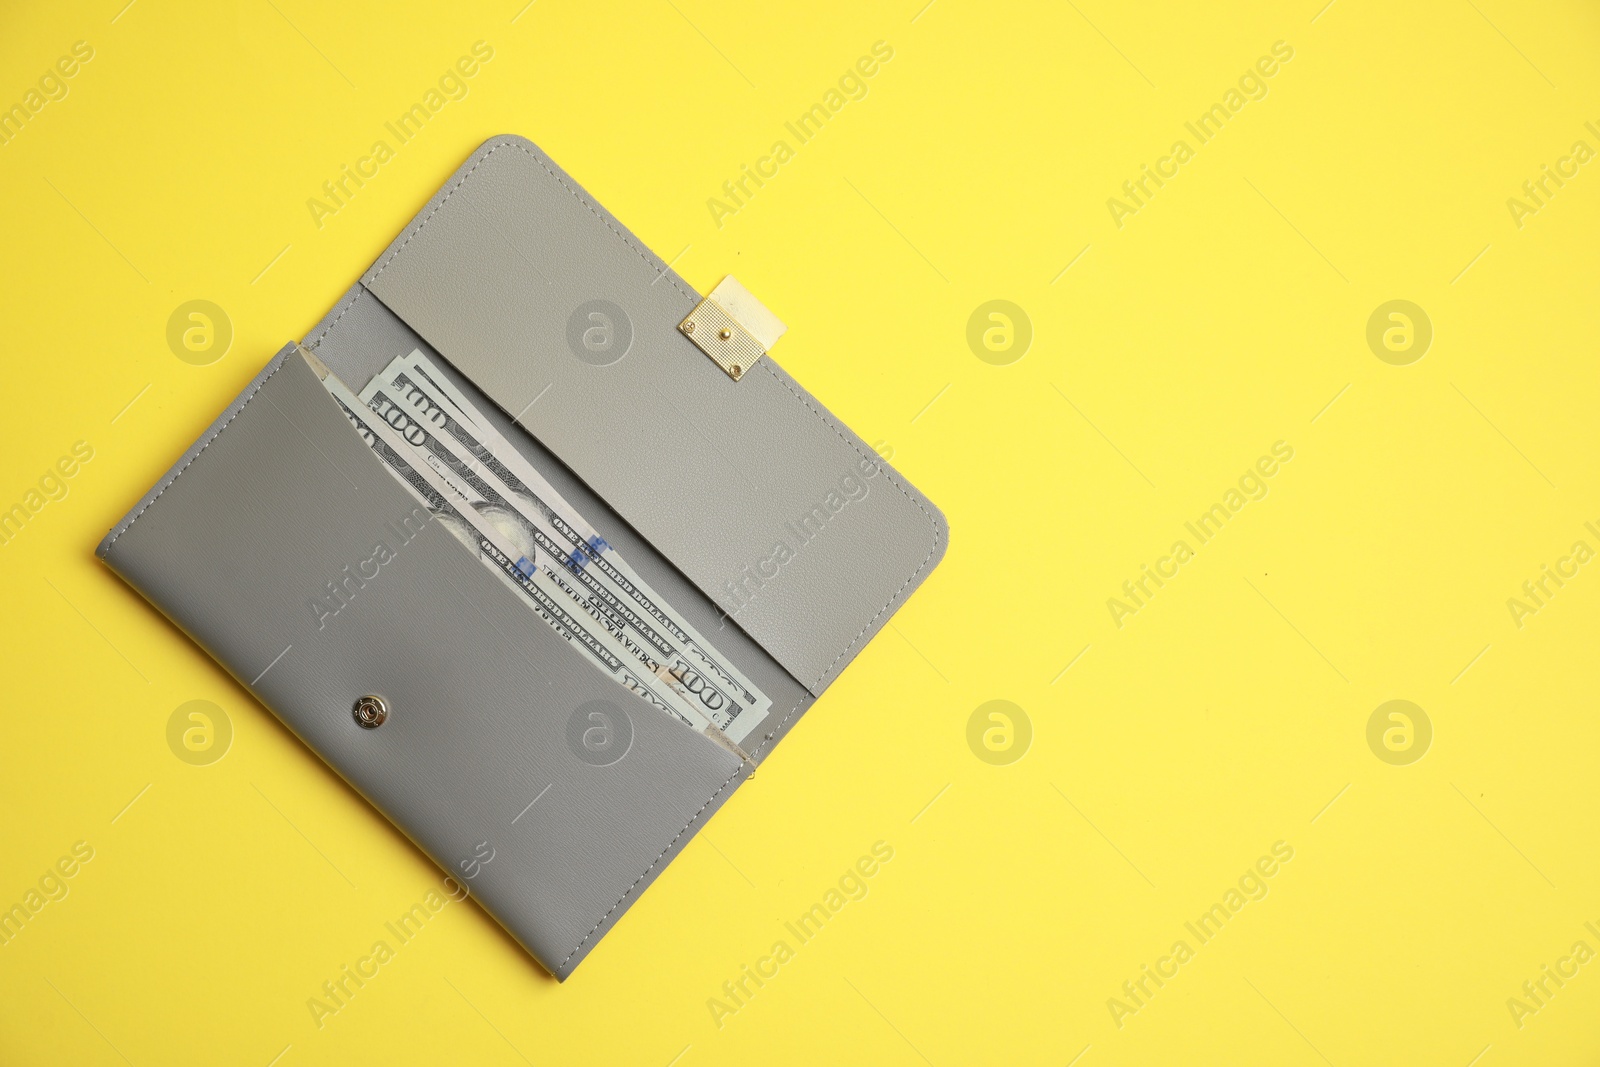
x=282, y=546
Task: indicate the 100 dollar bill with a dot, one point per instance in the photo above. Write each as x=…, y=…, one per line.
x=476, y=531
x=413, y=396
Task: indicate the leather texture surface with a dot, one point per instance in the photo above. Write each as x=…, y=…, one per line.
x=359, y=337
x=282, y=496
x=502, y=271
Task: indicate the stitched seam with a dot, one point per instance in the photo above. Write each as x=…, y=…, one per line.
x=650, y=868
x=894, y=481
x=218, y=433
x=772, y=737
x=589, y=205
x=329, y=328
x=821, y=417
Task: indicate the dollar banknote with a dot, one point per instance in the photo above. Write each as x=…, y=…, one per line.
x=478, y=530
x=453, y=438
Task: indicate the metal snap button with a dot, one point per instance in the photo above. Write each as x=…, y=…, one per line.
x=371, y=712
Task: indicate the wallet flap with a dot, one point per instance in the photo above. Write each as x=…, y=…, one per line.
x=774, y=509
x=283, y=546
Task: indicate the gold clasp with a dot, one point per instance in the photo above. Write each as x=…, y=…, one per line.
x=732, y=327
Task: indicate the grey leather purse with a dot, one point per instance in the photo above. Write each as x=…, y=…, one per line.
x=484, y=755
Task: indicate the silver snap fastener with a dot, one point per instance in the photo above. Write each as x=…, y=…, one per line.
x=371, y=712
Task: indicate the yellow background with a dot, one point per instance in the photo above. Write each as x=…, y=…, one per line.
x=1230, y=713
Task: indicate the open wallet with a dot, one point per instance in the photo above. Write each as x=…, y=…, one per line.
x=678, y=548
